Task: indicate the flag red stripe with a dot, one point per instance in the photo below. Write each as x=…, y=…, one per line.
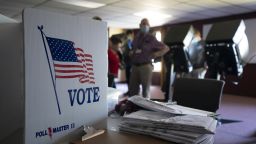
x=84, y=55
x=90, y=73
x=74, y=76
x=71, y=76
x=85, y=60
x=88, y=55
x=79, y=49
x=70, y=71
x=68, y=66
x=89, y=64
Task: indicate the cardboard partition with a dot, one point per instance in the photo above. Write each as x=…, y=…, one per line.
x=56, y=77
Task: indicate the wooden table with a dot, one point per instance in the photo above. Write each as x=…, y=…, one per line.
x=114, y=137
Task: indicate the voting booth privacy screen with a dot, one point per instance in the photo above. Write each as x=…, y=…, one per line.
x=59, y=75
x=226, y=46
x=178, y=38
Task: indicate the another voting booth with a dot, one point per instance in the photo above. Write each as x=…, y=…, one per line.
x=53, y=77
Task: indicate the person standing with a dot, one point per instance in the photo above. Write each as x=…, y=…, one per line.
x=127, y=57
x=145, y=47
x=168, y=61
x=196, y=54
x=113, y=60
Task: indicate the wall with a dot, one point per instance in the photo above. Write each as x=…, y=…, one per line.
x=12, y=79
x=113, y=31
x=5, y=19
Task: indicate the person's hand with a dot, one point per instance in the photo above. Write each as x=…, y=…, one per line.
x=155, y=55
x=161, y=52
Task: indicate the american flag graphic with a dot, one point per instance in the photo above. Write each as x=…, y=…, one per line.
x=70, y=62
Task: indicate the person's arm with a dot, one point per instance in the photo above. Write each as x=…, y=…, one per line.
x=161, y=52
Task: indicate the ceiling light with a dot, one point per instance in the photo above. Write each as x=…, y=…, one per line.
x=81, y=3
x=151, y=14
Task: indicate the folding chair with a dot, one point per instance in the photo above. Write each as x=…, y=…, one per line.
x=204, y=94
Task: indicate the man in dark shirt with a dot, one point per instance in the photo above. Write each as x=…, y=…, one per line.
x=145, y=47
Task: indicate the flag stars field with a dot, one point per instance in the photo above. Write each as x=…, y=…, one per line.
x=70, y=62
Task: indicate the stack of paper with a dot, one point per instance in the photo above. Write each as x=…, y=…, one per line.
x=171, y=124
x=167, y=107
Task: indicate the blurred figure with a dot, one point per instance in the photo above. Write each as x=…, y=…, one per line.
x=197, y=57
x=127, y=57
x=168, y=61
x=145, y=47
x=113, y=60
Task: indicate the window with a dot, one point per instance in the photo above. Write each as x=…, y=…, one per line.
x=158, y=65
x=158, y=36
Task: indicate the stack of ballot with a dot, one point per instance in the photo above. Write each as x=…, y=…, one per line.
x=174, y=124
